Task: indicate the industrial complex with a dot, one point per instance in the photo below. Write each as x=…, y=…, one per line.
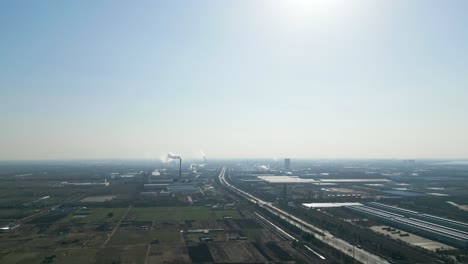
x=437, y=228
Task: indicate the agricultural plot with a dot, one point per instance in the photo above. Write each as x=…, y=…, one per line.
x=218, y=237
x=170, y=213
x=47, y=219
x=248, y=224
x=130, y=237
x=66, y=234
x=23, y=257
x=75, y=256
x=146, y=235
x=124, y=254
x=42, y=243
x=29, y=190
x=279, y=251
x=256, y=235
x=168, y=253
x=192, y=237
x=64, y=231
x=88, y=239
x=16, y=213
x=199, y=253
x=220, y=214
x=9, y=246
x=170, y=235
x=181, y=213
x=95, y=215
x=237, y=252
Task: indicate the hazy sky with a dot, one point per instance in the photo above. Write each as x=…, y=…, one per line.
x=241, y=78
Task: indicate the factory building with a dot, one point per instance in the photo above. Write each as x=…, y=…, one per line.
x=425, y=217
x=442, y=233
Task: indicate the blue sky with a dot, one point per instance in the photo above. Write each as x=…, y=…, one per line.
x=298, y=78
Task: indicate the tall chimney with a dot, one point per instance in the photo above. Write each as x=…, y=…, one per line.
x=180, y=169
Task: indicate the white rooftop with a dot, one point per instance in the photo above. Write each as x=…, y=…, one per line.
x=327, y=205
x=296, y=179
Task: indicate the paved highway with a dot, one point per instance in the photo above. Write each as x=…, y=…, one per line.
x=359, y=254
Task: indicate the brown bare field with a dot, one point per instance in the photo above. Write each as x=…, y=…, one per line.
x=235, y=251
x=168, y=253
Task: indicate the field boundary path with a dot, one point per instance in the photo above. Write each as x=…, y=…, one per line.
x=148, y=249
x=117, y=226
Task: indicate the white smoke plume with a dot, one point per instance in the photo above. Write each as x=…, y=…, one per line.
x=164, y=159
x=173, y=156
x=263, y=167
x=169, y=157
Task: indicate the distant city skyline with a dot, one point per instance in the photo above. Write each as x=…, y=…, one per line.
x=235, y=79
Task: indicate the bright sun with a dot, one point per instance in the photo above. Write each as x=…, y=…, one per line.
x=299, y=12
x=312, y=7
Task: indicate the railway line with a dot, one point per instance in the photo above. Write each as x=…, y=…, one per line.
x=347, y=248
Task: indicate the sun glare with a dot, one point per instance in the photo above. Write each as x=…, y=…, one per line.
x=310, y=7
x=301, y=11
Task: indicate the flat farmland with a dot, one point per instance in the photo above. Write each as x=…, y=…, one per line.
x=90, y=239
x=7, y=246
x=23, y=257
x=170, y=213
x=168, y=235
x=16, y=213
x=179, y=213
x=196, y=237
x=130, y=237
x=45, y=243
x=75, y=255
x=235, y=251
x=95, y=215
x=124, y=254
x=134, y=237
x=165, y=253
x=220, y=214
x=200, y=253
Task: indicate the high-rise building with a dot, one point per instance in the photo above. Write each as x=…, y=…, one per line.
x=287, y=164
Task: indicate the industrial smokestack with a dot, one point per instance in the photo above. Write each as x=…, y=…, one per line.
x=172, y=156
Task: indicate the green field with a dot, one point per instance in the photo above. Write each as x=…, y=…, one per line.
x=20, y=191
x=22, y=257
x=130, y=237
x=127, y=254
x=75, y=256
x=180, y=213
x=171, y=213
x=232, y=213
x=133, y=237
x=16, y=213
x=167, y=235
x=96, y=215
